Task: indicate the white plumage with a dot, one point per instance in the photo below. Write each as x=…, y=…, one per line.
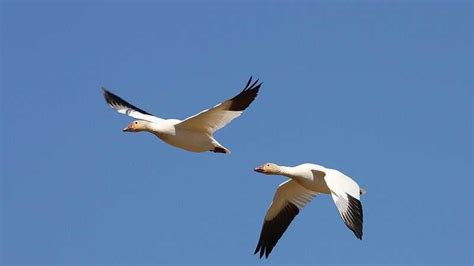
x=307, y=181
x=194, y=133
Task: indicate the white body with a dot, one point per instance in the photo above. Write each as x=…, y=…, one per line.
x=306, y=182
x=305, y=177
x=194, y=133
x=183, y=138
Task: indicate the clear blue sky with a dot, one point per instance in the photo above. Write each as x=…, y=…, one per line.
x=382, y=92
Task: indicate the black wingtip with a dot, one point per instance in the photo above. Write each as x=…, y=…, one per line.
x=356, y=212
x=258, y=249
x=254, y=84
x=111, y=98
x=267, y=252
x=107, y=94
x=241, y=101
x=114, y=101
x=248, y=82
x=272, y=230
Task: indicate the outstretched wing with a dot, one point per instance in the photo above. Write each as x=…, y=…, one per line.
x=289, y=199
x=126, y=108
x=215, y=118
x=346, y=195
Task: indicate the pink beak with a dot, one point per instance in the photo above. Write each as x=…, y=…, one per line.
x=127, y=129
x=259, y=169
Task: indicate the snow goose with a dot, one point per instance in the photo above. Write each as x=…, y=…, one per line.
x=194, y=133
x=306, y=182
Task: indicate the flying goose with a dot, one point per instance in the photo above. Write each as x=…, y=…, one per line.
x=306, y=182
x=194, y=133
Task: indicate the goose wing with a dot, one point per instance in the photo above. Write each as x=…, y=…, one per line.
x=346, y=195
x=288, y=200
x=126, y=108
x=215, y=118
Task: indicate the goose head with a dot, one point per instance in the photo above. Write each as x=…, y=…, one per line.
x=268, y=169
x=136, y=126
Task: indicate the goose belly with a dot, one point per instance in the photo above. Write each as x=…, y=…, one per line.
x=319, y=185
x=188, y=140
x=314, y=183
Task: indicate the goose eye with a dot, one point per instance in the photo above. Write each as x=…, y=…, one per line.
x=136, y=122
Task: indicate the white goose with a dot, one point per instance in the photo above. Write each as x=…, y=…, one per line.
x=194, y=133
x=307, y=181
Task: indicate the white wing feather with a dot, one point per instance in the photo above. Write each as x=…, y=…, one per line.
x=215, y=118
x=126, y=108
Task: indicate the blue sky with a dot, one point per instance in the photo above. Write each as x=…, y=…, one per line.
x=380, y=91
